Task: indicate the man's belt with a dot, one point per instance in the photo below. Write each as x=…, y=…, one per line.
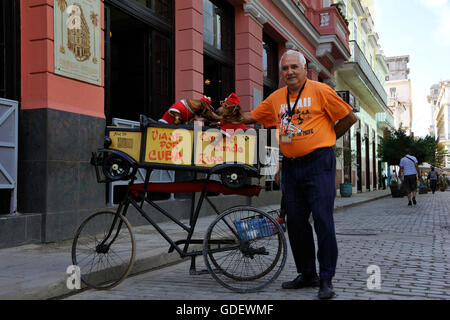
x=309, y=156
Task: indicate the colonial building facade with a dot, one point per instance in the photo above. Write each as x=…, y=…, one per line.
x=398, y=89
x=362, y=77
x=440, y=106
x=142, y=55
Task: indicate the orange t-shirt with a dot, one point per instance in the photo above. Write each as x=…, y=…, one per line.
x=312, y=125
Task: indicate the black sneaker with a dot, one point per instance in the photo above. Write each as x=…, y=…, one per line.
x=326, y=290
x=414, y=200
x=302, y=282
x=410, y=203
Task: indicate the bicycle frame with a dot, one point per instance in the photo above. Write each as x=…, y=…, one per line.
x=194, y=213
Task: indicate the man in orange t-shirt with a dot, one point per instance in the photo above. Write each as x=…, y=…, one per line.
x=307, y=134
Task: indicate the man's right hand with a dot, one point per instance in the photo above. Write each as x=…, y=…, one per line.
x=277, y=178
x=277, y=175
x=247, y=118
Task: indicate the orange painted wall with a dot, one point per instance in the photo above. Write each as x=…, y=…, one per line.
x=41, y=87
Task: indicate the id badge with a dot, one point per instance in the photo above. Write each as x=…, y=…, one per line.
x=286, y=138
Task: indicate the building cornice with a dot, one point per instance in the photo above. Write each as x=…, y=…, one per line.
x=254, y=13
x=357, y=7
x=334, y=39
x=298, y=18
x=293, y=13
x=373, y=38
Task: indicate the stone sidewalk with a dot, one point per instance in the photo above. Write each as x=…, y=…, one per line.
x=38, y=271
x=387, y=251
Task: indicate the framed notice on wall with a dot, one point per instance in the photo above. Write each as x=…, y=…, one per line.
x=77, y=39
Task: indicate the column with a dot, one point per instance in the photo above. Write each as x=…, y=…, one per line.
x=248, y=52
x=188, y=49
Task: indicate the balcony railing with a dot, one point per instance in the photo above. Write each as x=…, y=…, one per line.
x=330, y=21
x=359, y=57
x=387, y=118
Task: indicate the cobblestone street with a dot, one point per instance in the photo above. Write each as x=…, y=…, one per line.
x=410, y=245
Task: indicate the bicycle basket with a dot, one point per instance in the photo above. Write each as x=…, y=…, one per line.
x=255, y=228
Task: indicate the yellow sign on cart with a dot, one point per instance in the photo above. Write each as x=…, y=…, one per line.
x=181, y=146
x=169, y=146
x=213, y=149
x=126, y=141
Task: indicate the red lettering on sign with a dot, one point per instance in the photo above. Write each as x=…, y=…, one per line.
x=152, y=155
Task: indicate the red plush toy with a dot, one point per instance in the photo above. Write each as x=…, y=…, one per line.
x=231, y=112
x=185, y=110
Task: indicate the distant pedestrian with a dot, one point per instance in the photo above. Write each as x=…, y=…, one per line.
x=433, y=177
x=383, y=179
x=394, y=176
x=409, y=169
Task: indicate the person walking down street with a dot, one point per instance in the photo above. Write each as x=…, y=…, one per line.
x=409, y=169
x=306, y=112
x=433, y=178
x=394, y=176
x=383, y=179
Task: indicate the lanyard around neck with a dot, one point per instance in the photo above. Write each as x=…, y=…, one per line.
x=291, y=111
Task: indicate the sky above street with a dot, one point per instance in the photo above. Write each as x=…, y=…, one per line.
x=420, y=29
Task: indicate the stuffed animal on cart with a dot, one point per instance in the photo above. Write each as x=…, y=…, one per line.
x=230, y=110
x=187, y=109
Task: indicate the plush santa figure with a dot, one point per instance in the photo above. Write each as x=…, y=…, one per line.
x=230, y=110
x=185, y=110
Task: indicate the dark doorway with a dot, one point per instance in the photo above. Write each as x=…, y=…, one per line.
x=129, y=68
x=10, y=50
x=374, y=162
x=218, y=50
x=218, y=80
x=358, y=157
x=367, y=147
x=347, y=157
x=139, y=60
x=270, y=65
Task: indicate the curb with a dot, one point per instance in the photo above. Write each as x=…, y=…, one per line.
x=354, y=204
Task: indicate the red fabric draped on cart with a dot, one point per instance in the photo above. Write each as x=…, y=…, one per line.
x=196, y=186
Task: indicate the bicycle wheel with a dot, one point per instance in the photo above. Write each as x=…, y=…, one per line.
x=104, y=249
x=240, y=262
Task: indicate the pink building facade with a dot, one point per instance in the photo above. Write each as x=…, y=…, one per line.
x=153, y=53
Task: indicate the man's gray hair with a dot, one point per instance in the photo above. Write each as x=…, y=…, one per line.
x=299, y=54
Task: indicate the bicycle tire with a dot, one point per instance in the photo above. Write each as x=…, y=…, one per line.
x=231, y=267
x=101, y=265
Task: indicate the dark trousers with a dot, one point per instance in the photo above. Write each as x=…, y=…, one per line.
x=309, y=187
x=433, y=185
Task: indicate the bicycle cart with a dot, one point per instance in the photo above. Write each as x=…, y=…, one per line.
x=244, y=248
